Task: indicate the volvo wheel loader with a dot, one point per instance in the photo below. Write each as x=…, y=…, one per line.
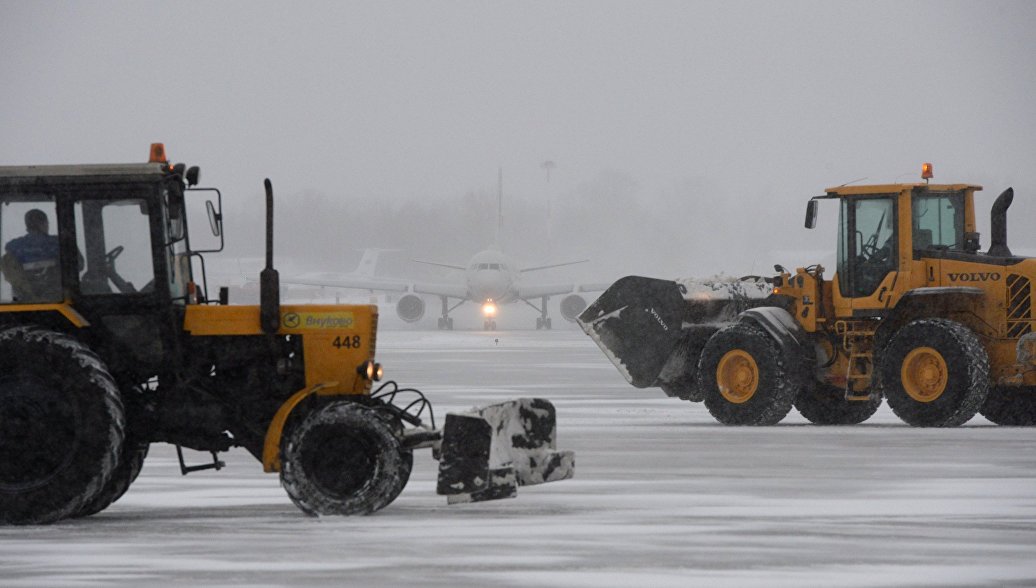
x=109, y=342
x=915, y=313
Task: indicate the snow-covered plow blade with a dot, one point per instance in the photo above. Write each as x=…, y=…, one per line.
x=488, y=452
x=654, y=330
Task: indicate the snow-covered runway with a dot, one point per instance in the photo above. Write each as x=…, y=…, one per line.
x=663, y=496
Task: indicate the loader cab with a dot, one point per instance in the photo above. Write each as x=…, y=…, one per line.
x=888, y=236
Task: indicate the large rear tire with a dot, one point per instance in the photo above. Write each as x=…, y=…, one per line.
x=62, y=426
x=824, y=404
x=130, y=463
x=745, y=377
x=343, y=459
x=934, y=373
x=1012, y=406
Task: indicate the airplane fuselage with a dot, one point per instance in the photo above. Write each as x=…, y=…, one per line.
x=491, y=276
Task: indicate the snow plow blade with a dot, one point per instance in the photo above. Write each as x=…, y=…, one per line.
x=654, y=330
x=488, y=452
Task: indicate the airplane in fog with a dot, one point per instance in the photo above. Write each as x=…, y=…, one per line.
x=491, y=278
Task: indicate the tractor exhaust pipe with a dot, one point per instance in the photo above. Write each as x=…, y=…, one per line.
x=998, y=224
x=269, y=279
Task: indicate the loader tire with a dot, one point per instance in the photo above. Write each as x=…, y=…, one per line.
x=343, y=459
x=824, y=404
x=62, y=424
x=746, y=378
x=934, y=373
x=130, y=463
x=1011, y=406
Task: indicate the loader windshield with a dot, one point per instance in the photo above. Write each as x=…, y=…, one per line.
x=867, y=244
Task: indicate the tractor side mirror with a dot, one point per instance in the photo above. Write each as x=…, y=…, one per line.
x=811, y=214
x=193, y=174
x=215, y=220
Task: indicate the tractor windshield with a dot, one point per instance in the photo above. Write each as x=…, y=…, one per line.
x=114, y=234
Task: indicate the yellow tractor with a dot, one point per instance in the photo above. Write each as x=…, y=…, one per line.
x=108, y=343
x=914, y=313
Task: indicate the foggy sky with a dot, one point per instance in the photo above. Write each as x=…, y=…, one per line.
x=687, y=136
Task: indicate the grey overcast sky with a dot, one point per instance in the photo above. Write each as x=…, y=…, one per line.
x=759, y=103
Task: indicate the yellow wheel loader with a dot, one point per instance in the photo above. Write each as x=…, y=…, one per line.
x=108, y=343
x=915, y=313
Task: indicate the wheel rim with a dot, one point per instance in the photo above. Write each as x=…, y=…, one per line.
x=39, y=425
x=737, y=376
x=924, y=374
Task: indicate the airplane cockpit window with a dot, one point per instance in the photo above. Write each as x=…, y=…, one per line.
x=494, y=266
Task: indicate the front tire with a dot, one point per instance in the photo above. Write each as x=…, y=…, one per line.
x=935, y=373
x=745, y=377
x=1011, y=406
x=343, y=459
x=62, y=424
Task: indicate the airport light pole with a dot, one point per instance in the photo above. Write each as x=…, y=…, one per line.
x=548, y=166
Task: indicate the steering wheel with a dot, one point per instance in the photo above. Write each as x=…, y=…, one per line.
x=109, y=261
x=112, y=255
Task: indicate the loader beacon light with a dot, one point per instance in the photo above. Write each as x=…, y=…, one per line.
x=370, y=370
x=926, y=171
x=489, y=308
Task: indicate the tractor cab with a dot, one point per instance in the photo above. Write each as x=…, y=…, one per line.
x=104, y=245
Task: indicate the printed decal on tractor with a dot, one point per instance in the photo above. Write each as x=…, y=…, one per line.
x=318, y=320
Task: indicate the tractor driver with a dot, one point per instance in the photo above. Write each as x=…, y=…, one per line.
x=30, y=262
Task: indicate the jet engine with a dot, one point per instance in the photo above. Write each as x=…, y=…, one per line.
x=571, y=306
x=410, y=308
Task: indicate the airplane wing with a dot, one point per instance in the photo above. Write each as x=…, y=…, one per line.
x=379, y=285
x=540, y=290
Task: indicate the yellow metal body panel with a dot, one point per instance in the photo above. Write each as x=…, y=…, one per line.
x=335, y=338
x=61, y=308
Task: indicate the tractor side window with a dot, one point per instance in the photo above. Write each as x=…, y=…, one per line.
x=939, y=221
x=115, y=236
x=30, y=260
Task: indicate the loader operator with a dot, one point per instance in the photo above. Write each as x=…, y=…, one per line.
x=30, y=262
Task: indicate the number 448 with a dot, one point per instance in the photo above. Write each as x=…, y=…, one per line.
x=346, y=342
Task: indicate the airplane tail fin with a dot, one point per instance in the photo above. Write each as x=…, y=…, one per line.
x=369, y=262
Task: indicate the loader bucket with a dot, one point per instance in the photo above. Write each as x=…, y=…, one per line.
x=653, y=330
x=488, y=452
x=637, y=323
